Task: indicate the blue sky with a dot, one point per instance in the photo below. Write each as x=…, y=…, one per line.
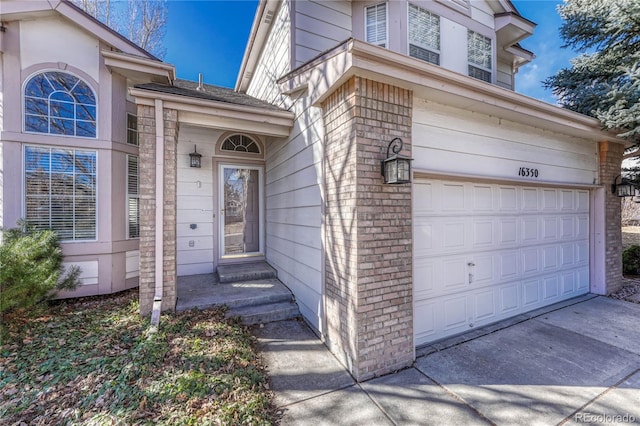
x=209, y=37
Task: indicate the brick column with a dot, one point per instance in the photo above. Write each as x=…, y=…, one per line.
x=610, y=165
x=368, y=225
x=148, y=187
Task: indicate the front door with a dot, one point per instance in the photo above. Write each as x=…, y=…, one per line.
x=241, y=218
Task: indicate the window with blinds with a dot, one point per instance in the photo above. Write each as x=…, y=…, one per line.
x=133, y=197
x=479, y=56
x=424, y=35
x=376, y=24
x=60, y=191
x=132, y=129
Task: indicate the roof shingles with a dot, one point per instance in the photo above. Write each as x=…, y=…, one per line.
x=210, y=92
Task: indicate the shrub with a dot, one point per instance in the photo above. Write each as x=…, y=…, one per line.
x=631, y=260
x=31, y=267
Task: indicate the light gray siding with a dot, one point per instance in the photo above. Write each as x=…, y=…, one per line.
x=292, y=190
x=453, y=141
x=319, y=26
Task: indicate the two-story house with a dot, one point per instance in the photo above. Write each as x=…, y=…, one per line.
x=508, y=209
x=68, y=135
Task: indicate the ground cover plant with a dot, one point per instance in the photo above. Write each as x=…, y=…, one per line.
x=90, y=361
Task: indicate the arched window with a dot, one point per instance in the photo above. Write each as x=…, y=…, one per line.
x=59, y=103
x=240, y=143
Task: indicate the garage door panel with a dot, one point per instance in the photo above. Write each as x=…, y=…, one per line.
x=551, y=288
x=530, y=229
x=582, y=253
x=509, y=298
x=451, y=197
x=550, y=258
x=582, y=284
x=582, y=203
x=482, y=270
x=484, y=252
x=454, y=276
x=567, y=227
x=568, y=283
x=550, y=228
x=484, y=305
x=483, y=234
x=453, y=235
x=423, y=201
x=483, y=198
x=568, y=254
x=530, y=201
x=549, y=200
x=508, y=231
x=425, y=270
x=456, y=312
x=425, y=320
x=582, y=223
x=531, y=260
x=508, y=265
x=422, y=236
x=508, y=197
x=531, y=293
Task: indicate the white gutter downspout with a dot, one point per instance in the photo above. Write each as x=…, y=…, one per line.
x=159, y=243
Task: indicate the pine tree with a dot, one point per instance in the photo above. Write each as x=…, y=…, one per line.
x=31, y=268
x=604, y=81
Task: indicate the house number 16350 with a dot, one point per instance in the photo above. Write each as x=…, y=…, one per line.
x=527, y=172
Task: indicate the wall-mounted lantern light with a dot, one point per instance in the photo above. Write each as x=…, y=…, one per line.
x=195, y=158
x=396, y=168
x=623, y=188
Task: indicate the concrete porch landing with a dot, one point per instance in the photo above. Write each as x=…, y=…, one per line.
x=251, y=291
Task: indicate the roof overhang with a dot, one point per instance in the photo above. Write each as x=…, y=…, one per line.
x=139, y=69
x=262, y=22
x=17, y=10
x=220, y=115
x=320, y=77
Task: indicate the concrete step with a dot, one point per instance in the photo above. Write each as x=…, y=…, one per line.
x=237, y=295
x=245, y=271
x=262, y=314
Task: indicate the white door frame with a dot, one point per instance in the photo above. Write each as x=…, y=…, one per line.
x=221, y=217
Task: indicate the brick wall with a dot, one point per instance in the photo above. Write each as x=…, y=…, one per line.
x=368, y=262
x=147, y=138
x=610, y=163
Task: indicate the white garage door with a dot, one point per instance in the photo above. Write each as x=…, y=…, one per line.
x=485, y=252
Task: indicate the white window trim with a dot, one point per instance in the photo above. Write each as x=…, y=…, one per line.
x=24, y=186
x=386, y=23
x=480, y=67
x=22, y=96
x=429, y=48
x=136, y=130
x=129, y=196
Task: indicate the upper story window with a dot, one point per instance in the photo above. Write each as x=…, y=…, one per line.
x=59, y=103
x=376, y=24
x=424, y=35
x=132, y=129
x=240, y=143
x=479, y=56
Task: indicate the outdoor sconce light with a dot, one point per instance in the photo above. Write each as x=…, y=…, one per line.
x=625, y=188
x=195, y=158
x=396, y=168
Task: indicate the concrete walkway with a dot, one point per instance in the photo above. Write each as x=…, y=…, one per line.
x=574, y=363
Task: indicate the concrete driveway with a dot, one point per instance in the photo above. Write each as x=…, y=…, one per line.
x=573, y=363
